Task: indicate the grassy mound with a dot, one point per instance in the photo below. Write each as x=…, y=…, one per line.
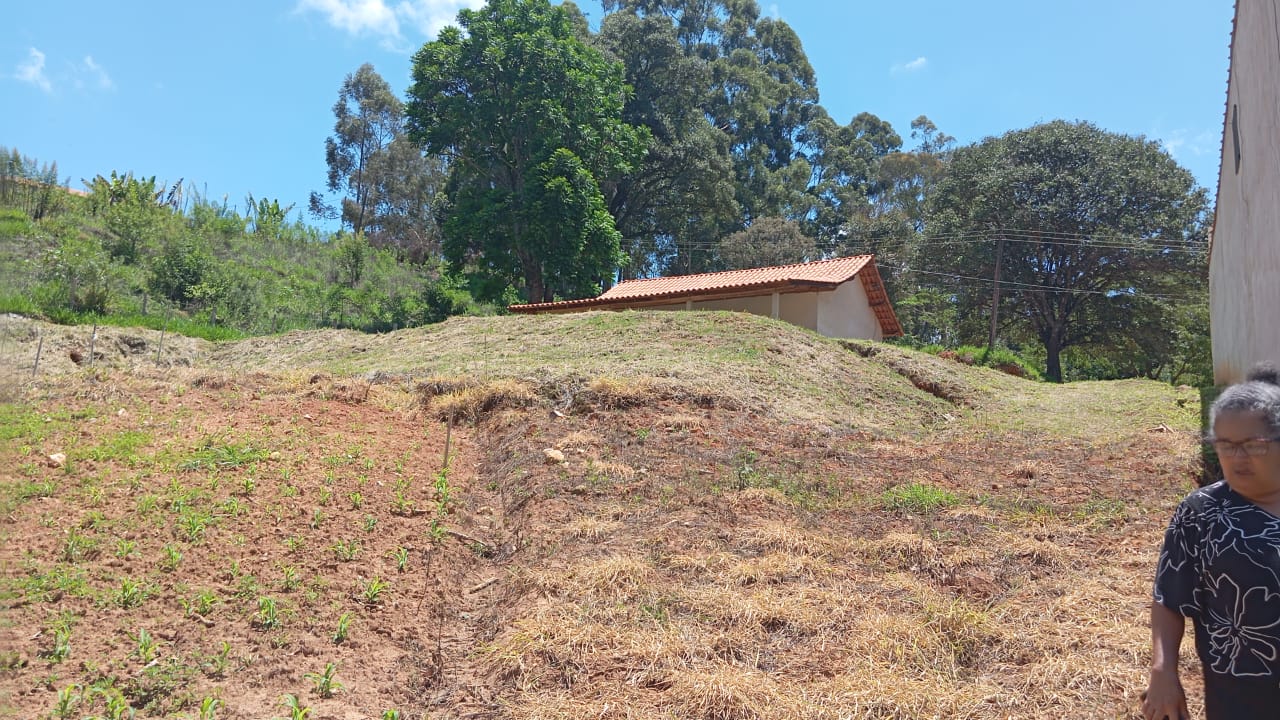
x=631, y=515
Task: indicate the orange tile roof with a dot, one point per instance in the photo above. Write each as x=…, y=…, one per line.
x=831, y=272
x=820, y=275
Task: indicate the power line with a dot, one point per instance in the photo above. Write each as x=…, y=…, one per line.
x=1014, y=285
x=1080, y=240
x=708, y=246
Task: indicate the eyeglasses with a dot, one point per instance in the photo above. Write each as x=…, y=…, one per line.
x=1253, y=447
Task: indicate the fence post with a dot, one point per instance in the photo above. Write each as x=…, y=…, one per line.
x=35, y=367
x=93, y=341
x=448, y=437
x=163, y=329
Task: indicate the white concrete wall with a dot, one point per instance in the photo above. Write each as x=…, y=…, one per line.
x=843, y=312
x=1244, y=282
x=800, y=309
x=846, y=313
x=756, y=305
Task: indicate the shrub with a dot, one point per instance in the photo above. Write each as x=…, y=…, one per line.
x=999, y=358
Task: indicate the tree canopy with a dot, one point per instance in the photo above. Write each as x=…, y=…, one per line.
x=529, y=119
x=1092, y=231
x=386, y=185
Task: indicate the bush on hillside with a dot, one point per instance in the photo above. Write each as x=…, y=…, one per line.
x=999, y=358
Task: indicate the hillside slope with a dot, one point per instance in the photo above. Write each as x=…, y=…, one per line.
x=738, y=360
x=632, y=515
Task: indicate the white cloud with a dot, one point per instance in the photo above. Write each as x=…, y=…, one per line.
x=430, y=16
x=423, y=18
x=98, y=72
x=357, y=17
x=774, y=12
x=32, y=71
x=1182, y=142
x=910, y=67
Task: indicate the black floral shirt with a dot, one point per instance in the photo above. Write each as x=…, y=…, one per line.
x=1220, y=566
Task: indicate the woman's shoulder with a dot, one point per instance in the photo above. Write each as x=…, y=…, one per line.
x=1207, y=496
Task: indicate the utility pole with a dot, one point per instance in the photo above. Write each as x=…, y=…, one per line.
x=995, y=293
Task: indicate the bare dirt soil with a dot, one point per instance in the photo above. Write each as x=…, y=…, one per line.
x=626, y=552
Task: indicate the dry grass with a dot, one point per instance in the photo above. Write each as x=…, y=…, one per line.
x=786, y=537
x=619, y=360
x=775, y=568
x=472, y=401
x=791, y=617
x=616, y=577
x=681, y=422
x=579, y=441
x=591, y=528
x=613, y=471
x=669, y=594
x=616, y=393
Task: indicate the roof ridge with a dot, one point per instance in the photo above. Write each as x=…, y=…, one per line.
x=742, y=270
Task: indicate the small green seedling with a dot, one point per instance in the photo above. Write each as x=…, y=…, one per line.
x=171, y=556
x=130, y=595
x=201, y=604
x=295, y=708
x=208, y=707
x=68, y=698
x=61, y=642
x=126, y=549
x=325, y=683
x=268, y=615
x=401, y=556
x=290, y=581
x=347, y=550
x=144, y=645
x=371, y=591
x=344, y=626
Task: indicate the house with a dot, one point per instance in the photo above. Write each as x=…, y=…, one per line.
x=1244, y=252
x=841, y=298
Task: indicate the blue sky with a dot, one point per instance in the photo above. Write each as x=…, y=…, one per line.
x=236, y=96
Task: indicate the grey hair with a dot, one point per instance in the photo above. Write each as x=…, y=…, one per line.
x=1259, y=394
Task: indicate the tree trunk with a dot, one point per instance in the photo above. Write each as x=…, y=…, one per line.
x=533, y=277
x=1053, y=357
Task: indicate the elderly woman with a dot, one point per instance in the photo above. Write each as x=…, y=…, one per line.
x=1220, y=566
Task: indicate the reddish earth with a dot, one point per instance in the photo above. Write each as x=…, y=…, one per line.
x=656, y=485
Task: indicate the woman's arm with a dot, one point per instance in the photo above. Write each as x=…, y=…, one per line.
x=1164, y=697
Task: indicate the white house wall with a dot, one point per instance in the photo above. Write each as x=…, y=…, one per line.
x=843, y=312
x=846, y=313
x=800, y=308
x=1244, y=269
x=756, y=305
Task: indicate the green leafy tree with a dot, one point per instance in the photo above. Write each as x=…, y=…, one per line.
x=506, y=99
x=350, y=255
x=845, y=163
x=729, y=96
x=77, y=276
x=409, y=185
x=387, y=186
x=677, y=201
x=134, y=210
x=368, y=116
x=267, y=216
x=889, y=222
x=767, y=242
x=182, y=268
x=1087, y=224
x=30, y=185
